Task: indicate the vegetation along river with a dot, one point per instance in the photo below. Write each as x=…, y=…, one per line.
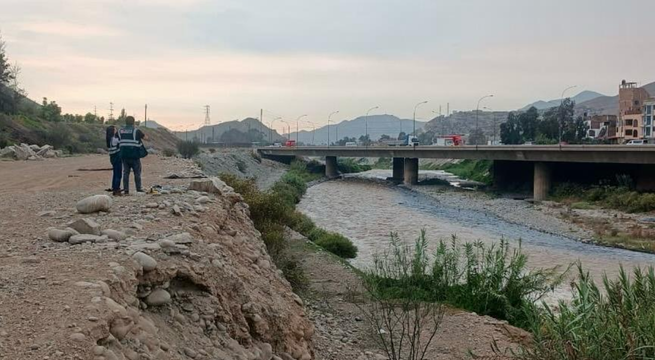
x=367, y=211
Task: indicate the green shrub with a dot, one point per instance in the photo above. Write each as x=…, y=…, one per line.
x=338, y=245
x=301, y=223
x=188, y=149
x=476, y=170
x=616, y=321
x=4, y=140
x=383, y=163
x=60, y=137
x=168, y=152
x=489, y=280
x=351, y=166
x=316, y=234
x=582, y=205
x=256, y=156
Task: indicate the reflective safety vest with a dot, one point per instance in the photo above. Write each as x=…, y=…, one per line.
x=128, y=144
x=113, y=146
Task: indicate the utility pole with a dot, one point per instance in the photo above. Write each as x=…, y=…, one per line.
x=145, y=117
x=261, y=121
x=111, y=111
x=207, y=121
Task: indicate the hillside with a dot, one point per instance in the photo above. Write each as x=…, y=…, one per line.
x=463, y=122
x=579, y=98
x=244, y=131
x=378, y=125
x=607, y=105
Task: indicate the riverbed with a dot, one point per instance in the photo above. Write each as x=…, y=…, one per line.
x=368, y=211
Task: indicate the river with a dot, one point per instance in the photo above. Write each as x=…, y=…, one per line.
x=367, y=211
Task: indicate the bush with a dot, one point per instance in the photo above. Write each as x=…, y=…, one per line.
x=316, y=234
x=59, y=137
x=188, y=149
x=338, y=245
x=476, y=170
x=168, y=152
x=351, y=166
x=489, y=280
x=301, y=223
x=615, y=322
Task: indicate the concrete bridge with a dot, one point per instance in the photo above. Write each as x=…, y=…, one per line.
x=520, y=164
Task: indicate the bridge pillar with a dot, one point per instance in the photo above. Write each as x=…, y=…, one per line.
x=331, y=168
x=541, y=187
x=411, y=171
x=398, y=169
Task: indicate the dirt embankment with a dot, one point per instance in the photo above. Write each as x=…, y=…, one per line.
x=200, y=287
x=242, y=163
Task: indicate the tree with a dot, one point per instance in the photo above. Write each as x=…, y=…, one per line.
x=510, y=131
x=5, y=67
x=528, y=124
x=122, y=116
x=385, y=137
x=50, y=111
x=402, y=135
x=188, y=149
x=477, y=137
x=89, y=118
x=365, y=140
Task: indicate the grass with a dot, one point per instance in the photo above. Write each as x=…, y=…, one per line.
x=489, y=280
x=621, y=197
x=582, y=205
x=351, y=166
x=476, y=170
x=615, y=320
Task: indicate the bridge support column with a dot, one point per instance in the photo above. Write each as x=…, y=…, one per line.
x=398, y=169
x=331, y=168
x=541, y=187
x=411, y=171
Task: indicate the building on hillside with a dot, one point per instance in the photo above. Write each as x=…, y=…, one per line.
x=631, y=102
x=648, y=118
x=601, y=127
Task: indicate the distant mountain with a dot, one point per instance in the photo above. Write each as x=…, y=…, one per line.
x=378, y=125
x=580, y=98
x=607, y=105
x=247, y=130
x=464, y=122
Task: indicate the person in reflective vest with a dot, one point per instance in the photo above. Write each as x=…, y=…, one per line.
x=130, y=144
x=114, y=159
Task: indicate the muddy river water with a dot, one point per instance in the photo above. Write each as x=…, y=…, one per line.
x=366, y=212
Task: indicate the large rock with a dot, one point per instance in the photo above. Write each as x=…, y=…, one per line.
x=114, y=234
x=94, y=204
x=51, y=154
x=82, y=238
x=158, y=297
x=212, y=185
x=145, y=260
x=85, y=226
x=23, y=152
x=8, y=153
x=44, y=149
x=60, y=235
x=181, y=238
x=35, y=148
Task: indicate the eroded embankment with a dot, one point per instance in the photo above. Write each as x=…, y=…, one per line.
x=184, y=275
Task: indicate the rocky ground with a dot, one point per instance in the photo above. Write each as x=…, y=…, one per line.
x=181, y=274
x=242, y=163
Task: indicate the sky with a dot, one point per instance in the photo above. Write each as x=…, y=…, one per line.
x=296, y=57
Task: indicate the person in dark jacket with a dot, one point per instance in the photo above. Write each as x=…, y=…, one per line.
x=114, y=159
x=130, y=144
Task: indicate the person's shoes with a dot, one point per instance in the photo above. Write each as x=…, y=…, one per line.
x=117, y=193
x=126, y=193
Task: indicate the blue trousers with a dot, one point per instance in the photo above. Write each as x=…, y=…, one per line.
x=131, y=164
x=117, y=171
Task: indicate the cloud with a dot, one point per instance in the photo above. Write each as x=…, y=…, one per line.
x=68, y=29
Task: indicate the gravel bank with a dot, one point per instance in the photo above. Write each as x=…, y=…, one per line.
x=242, y=163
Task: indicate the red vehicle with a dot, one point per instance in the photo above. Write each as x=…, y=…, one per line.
x=449, y=140
x=290, y=143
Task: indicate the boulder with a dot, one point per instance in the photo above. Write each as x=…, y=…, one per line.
x=181, y=238
x=8, y=153
x=94, y=204
x=211, y=185
x=44, y=149
x=85, y=226
x=158, y=297
x=57, y=235
x=51, y=154
x=23, y=152
x=35, y=148
x=82, y=238
x=145, y=260
x=114, y=234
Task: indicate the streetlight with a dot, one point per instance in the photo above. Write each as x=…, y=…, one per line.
x=415, y=107
x=297, y=128
x=335, y=112
x=493, y=117
x=443, y=125
x=270, y=129
x=366, y=123
x=477, y=112
x=313, y=131
x=561, y=120
x=288, y=127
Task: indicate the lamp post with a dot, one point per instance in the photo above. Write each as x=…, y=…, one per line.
x=415, y=107
x=313, y=130
x=289, y=129
x=366, y=122
x=330, y=116
x=270, y=129
x=477, y=112
x=493, y=117
x=561, y=119
x=297, y=128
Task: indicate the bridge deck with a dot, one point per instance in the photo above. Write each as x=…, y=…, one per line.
x=620, y=154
